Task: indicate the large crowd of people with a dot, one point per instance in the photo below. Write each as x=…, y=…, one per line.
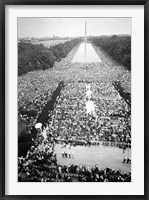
x=69, y=120
x=40, y=165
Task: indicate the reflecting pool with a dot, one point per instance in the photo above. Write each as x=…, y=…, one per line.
x=86, y=54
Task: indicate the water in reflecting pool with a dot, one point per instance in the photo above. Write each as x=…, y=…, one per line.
x=86, y=54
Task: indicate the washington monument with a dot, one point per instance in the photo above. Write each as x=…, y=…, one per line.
x=85, y=31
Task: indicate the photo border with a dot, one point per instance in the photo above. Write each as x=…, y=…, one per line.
x=2, y=93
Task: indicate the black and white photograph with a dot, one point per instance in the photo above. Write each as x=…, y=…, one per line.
x=74, y=99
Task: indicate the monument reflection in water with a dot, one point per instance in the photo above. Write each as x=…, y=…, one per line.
x=86, y=54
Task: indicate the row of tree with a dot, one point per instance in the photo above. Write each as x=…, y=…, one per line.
x=34, y=57
x=118, y=47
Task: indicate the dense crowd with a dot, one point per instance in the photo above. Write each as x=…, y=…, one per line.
x=69, y=121
x=35, y=89
x=40, y=165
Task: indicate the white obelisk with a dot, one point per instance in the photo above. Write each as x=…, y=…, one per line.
x=85, y=40
x=85, y=31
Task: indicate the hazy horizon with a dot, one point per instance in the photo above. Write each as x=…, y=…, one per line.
x=72, y=27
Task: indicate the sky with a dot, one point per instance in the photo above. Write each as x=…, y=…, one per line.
x=73, y=27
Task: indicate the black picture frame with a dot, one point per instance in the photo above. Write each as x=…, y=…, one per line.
x=3, y=3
